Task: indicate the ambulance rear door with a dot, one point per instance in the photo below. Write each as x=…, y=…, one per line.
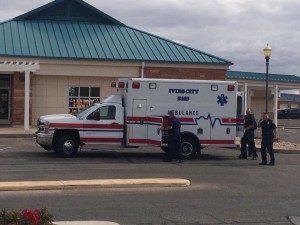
x=240, y=115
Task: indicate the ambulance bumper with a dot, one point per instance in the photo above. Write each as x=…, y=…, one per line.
x=44, y=140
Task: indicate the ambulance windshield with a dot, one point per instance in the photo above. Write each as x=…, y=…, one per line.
x=87, y=110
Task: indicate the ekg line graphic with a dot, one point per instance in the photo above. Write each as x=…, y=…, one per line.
x=212, y=121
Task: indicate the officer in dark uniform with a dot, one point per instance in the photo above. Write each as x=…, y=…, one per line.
x=269, y=132
x=174, y=144
x=248, y=137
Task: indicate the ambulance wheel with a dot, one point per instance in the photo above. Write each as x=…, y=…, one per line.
x=66, y=146
x=188, y=148
x=165, y=149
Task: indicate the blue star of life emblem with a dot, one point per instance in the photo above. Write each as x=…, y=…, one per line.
x=222, y=100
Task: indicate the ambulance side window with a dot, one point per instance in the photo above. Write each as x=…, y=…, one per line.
x=108, y=112
x=103, y=113
x=239, y=105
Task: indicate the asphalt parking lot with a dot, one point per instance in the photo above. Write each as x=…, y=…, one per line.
x=223, y=190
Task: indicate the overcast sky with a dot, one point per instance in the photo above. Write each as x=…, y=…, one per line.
x=235, y=30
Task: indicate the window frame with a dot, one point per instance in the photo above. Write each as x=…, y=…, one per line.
x=79, y=102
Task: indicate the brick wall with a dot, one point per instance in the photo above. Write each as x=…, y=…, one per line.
x=185, y=73
x=18, y=98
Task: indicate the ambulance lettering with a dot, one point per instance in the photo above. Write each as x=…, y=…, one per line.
x=183, y=91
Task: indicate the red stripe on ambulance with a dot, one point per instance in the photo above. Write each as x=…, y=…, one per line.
x=217, y=142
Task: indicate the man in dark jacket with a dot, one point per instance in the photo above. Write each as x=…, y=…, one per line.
x=269, y=132
x=174, y=143
x=248, y=138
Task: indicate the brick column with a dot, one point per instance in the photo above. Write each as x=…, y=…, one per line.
x=18, y=98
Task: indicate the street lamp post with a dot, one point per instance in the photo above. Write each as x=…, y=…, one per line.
x=267, y=53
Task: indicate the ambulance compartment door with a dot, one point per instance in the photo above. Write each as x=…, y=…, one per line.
x=143, y=130
x=154, y=134
x=136, y=126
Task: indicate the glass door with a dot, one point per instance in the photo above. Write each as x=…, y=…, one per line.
x=4, y=106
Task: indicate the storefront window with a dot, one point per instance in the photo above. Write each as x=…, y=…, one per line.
x=82, y=97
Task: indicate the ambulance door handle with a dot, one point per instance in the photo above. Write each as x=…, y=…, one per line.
x=158, y=131
x=142, y=122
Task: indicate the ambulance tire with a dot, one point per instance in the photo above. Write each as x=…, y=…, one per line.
x=66, y=146
x=188, y=148
x=165, y=149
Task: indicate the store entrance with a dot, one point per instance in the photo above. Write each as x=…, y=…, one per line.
x=4, y=100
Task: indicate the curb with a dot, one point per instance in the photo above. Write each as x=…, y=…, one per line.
x=283, y=151
x=85, y=223
x=286, y=151
x=104, y=183
x=295, y=220
x=287, y=128
x=17, y=135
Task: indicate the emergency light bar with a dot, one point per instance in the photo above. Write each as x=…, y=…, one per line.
x=230, y=88
x=113, y=84
x=136, y=85
x=118, y=84
x=121, y=85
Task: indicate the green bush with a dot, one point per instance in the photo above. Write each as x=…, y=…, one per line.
x=26, y=217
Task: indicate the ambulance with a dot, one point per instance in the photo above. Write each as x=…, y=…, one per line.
x=211, y=113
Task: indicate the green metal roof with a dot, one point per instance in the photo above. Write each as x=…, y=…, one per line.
x=72, y=29
x=239, y=75
x=76, y=10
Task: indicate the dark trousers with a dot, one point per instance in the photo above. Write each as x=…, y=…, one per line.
x=174, y=148
x=248, y=139
x=267, y=143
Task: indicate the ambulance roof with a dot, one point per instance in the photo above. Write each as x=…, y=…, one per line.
x=178, y=80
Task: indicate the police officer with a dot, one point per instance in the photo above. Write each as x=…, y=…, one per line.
x=174, y=144
x=248, y=137
x=269, y=132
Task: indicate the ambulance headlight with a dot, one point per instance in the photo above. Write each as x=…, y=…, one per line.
x=43, y=126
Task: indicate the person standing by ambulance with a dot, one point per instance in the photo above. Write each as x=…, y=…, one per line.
x=248, y=138
x=269, y=133
x=174, y=141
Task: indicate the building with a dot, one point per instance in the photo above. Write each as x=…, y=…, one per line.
x=288, y=101
x=61, y=57
x=254, y=87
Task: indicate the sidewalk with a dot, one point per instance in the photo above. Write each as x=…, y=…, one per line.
x=16, y=132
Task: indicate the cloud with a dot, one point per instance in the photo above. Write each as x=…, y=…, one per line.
x=233, y=29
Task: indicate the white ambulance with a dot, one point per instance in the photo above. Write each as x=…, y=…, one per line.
x=210, y=113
